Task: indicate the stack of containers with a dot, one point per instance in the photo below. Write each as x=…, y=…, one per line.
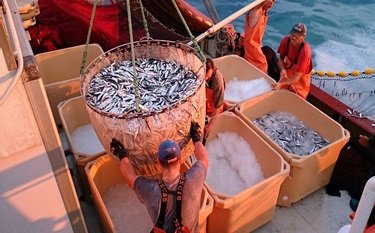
x=310, y=172
x=255, y=205
x=60, y=71
x=81, y=137
x=104, y=174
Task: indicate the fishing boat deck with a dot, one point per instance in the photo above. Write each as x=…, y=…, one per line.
x=316, y=213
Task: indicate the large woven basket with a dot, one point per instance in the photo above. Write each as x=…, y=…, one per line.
x=140, y=133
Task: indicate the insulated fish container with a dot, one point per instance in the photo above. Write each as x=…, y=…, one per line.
x=310, y=172
x=103, y=175
x=140, y=132
x=85, y=148
x=60, y=71
x=234, y=67
x=255, y=205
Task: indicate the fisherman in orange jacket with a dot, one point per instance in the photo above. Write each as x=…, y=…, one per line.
x=215, y=103
x=295, y=62
x=255, y=26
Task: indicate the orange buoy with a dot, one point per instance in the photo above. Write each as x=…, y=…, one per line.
x=355, y=73
x=342, y=74
x=331, y=74
x=321, y=73
x=369, y=71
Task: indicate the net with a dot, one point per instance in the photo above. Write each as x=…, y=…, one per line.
x=357, y=92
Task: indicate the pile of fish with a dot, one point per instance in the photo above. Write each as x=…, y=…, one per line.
x=160, y=84
x=290, y=133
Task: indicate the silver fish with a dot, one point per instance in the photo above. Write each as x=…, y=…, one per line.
x=290, y=133
x=160, y=84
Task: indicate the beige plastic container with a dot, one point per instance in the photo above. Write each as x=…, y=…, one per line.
x=73, y=115
x=307, y=173
x=255, y=206
x=233, y=66
x=60, y=73
x=104, y=173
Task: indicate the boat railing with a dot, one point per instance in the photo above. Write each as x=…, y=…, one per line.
x=9, y=80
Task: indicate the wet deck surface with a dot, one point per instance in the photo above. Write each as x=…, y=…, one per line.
x=317, y=213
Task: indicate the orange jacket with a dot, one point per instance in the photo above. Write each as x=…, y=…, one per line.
x=301, y=62
x=253, y=39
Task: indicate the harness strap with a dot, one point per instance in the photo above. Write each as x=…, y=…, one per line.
x=177, y=220
x=209, y=82
x=164, y=198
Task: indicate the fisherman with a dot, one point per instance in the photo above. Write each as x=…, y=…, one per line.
x=215, y=103
x=295, y=62
x=255, y=26
x=180, y=211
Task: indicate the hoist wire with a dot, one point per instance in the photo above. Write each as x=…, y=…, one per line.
x=135, y=75
x=144, y=20
x=84, y=55
x=210, y=7
x=197, y=47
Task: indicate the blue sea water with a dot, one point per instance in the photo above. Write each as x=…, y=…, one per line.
x=341, y=32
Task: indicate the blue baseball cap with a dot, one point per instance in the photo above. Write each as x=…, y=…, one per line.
x=169, y=151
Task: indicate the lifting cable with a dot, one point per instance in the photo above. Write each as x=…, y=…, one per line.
x=210, y=7
x=144, y=20
x=135, y=75
x=84, y=55
x=197, y=47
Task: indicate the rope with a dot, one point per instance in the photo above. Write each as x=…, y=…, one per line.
x=343, y=74
x=135, y=79
x=225, y=40
x=199, y=51
x=210, y=7
x=84, y=55
x=144, y=20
